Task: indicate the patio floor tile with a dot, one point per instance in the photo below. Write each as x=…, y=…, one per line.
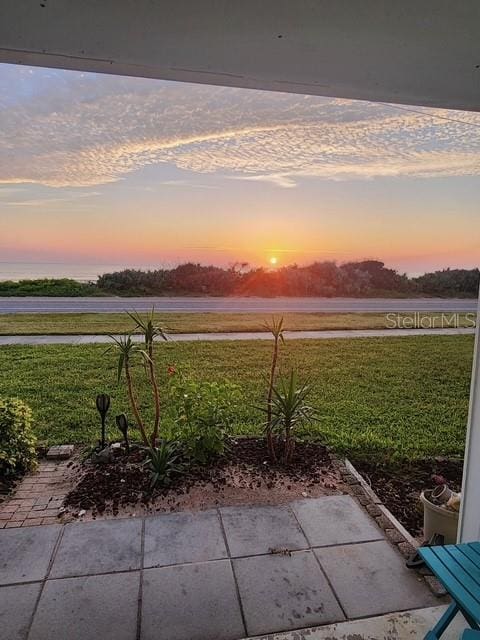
x=371, y=579
x=191, y=602
x=88, y=608
x=256, y=530
x=25, y=553
x=284, y=592
x=98, y=547
x=183, y=537
x=16, y=609
x=335, y=520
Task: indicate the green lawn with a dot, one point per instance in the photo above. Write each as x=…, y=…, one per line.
x=383, y=396
x=104, y=323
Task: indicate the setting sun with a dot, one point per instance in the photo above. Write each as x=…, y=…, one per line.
x=273, y=260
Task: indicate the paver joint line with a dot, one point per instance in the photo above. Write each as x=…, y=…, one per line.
x=44, y=581
x=237, y=590
x=90, y=575
x=140, y=582
x=322, y=570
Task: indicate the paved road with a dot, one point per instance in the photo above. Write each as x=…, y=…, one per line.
x=250, y=335
x=233, y=304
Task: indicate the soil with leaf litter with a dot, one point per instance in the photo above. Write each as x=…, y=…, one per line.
x=399, y=485
x=243, y=475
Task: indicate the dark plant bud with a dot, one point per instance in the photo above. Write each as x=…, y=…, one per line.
x=122, y=423
x=103, y=403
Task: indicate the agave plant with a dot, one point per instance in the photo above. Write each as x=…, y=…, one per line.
x=276, y=328
x=163, y=462
x=150, y=332
x=289, y=411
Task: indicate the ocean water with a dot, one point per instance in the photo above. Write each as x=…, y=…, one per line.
x=80, y=272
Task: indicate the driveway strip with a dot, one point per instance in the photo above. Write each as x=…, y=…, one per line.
x=240, y=335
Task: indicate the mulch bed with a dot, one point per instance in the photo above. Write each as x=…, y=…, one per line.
x=399, y=485
x=123, y=482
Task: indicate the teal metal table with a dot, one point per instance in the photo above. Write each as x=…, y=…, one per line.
x=457, y=566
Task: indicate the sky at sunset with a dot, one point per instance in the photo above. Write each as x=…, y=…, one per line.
x=104, y=169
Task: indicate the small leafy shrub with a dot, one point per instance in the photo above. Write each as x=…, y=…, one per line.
x=204, y=413
x=163, y=462
x=17, y=440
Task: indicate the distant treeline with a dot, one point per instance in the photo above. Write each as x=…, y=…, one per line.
x=59, y=287
x=357, y=279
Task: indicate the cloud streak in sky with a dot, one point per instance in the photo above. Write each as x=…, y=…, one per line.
x=81, y=130
x=39, y=202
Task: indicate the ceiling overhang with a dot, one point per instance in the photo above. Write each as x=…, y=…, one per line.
x=424, y=52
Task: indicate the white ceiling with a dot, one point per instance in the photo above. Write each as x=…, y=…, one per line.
x=424, y=52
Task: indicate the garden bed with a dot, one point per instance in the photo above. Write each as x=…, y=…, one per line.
x=399, y=485
x=243, y=475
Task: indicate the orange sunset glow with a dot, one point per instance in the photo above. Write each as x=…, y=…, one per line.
x=145, y=172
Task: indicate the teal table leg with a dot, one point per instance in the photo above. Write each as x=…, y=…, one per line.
x=473, y=624
x=443, y=623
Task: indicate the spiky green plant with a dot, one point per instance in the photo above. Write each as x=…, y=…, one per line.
x=150, y=332
x=126, y=350
x=289, y=411
x=163, y=462
x=276, y=328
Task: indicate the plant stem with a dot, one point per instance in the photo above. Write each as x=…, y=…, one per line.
x=288, y=450
x=133, y=404
x=270, y=443
x=156, y=395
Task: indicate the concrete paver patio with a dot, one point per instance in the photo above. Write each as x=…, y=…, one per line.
x=222, y=574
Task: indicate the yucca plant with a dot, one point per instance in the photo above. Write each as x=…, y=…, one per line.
x=276, y=328
x=128, y=351
x=150, y=332
x=163, y=462
x=289, y=411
